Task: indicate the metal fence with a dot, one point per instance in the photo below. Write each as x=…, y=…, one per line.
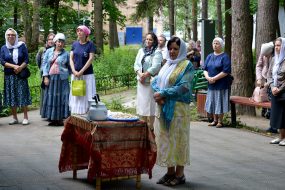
x=103, y=84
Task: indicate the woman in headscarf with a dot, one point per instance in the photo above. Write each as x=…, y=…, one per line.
x=276, y=80
x=14, y=58
x=147, y=64
x=173, y=93
x=217, y=70
x=81, y=57
x=56, y=71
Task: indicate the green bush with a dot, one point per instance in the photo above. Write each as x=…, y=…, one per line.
x=115, y=62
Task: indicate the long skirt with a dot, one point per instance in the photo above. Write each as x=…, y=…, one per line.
x=218, y=101
x=56, y=99
x=173, y=144
x=277, y=115
x=16, y=92
x=145, y=101
x=79, y=104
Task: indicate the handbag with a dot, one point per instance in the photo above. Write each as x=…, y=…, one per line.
x=260, y=94
x=78, y=87
x=25, y=73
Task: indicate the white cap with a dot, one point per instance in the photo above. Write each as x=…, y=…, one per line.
x=59, y=36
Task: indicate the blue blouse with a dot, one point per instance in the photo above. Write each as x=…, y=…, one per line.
x=6, y=56
x=81, y=55
x=215, y=64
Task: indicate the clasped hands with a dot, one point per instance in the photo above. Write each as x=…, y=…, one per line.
x=158, y=98
x=142, y=76
x=77, y=73
x=275, y=91
x=17, y=69
x=211, y=80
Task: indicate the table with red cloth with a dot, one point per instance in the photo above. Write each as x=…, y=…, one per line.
x=108, y=149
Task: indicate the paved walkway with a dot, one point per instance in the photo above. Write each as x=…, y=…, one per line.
x=221, y=159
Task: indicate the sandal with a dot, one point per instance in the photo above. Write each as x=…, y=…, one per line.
x=165, y=178
x=219, y=125
x=214, y=123
x=177, y=181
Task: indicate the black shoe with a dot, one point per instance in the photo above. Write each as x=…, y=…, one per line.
x=52, y=123
x=263, y=112
x=165, y=179
x=176, y=181
x=272, y=130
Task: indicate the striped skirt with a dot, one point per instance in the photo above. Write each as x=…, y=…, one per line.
x=56, y=99
x=218, y=101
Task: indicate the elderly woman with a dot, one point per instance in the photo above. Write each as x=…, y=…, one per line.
x=193, y=54
x=217, y=69
x=276, y=80
x=81, y=58
x=55, y=73
x=173, y=93
x=147, y=65
x=14, y=58
x=261, y=71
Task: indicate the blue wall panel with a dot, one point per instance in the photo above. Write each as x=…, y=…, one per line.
x=133, y=35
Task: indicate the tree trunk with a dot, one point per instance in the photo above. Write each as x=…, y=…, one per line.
x=171, y=17
x=35, y=26
x=15, y=15
x=98, y=25
x=54, y=18
x=111, y=34
x=204, y=9
x=150, y=24
x=116, y=37
x=194, y=20
x=267, y=23
x=242, y=33
x=228, y=27
x=27, y=22
x=187, y=33
x=219, y=15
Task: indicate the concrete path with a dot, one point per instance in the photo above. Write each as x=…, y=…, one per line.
x=225, y=158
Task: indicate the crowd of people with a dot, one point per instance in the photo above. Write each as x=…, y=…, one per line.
x=164, y=81
x=56, y=67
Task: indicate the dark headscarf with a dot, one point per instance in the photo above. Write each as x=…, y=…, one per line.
x=148, y=51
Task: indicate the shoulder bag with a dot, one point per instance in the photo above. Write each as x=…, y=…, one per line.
x=25, y=73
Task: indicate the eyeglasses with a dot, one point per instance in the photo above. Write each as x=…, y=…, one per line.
x=11, y=34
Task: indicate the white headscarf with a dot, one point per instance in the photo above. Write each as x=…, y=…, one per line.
x=15, y=46
x=220, y=40
x=267, y=48
x=278, y=59
x=170, y=65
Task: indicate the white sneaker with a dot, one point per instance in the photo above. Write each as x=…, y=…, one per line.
x=13, y=122
x=25, y=122
x=282, y=143
x=276, y=141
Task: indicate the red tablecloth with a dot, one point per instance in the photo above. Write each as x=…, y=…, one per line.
x=107, y=148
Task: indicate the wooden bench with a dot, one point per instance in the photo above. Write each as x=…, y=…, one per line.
x=246, y=101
